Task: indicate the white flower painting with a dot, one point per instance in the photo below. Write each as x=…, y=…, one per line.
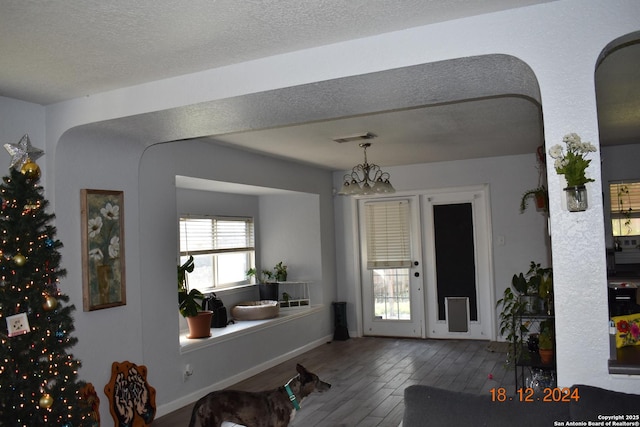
x=103, y=249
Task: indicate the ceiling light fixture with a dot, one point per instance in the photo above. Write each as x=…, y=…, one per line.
x=366, y=179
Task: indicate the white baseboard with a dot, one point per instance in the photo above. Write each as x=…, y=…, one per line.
x=192, y=397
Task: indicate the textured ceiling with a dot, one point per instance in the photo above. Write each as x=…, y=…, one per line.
x=60, y=50
x=63, y=49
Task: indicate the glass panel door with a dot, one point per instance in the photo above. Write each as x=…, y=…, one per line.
x=393, y=297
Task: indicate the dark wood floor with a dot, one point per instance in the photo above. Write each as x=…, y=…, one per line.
x=368, y=377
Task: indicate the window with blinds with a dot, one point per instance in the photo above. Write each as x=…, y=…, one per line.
x=625, y=208
x=222, y=248
x=388, y=236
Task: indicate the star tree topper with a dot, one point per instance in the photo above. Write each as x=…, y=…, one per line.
x=22, y=151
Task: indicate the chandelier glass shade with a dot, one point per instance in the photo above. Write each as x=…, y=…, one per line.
x=366, y=179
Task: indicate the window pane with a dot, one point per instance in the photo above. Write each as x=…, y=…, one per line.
x=223, y=249
x=625, y=227
x=625, y=197
x=202, y=275
x=392, y=294
x=232, y=267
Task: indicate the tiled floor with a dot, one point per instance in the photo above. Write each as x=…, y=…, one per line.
x=369, y=375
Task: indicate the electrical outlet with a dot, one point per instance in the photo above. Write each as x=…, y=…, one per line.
x=188, y=371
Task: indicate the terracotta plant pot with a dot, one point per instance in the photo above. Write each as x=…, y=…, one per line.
x=546, y=356
x=200, y=325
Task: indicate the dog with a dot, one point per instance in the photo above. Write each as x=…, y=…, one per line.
x=272, y=408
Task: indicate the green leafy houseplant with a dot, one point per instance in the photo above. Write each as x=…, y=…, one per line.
x=266, y=275
x=546, y=341
x=279, y=273
x=537, y=282
x=540, y=195
x=512, y=307
x=189, y=301
x=623, y=190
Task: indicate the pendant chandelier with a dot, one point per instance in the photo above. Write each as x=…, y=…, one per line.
x=366, y=179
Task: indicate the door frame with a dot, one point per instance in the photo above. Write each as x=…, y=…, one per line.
x=487, y=253
x=478, y=196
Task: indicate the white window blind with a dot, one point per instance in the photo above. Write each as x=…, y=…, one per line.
x=625, y=198
x=388, y=234
x=215, y=235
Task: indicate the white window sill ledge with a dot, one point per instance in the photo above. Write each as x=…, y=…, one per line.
x=243, y=327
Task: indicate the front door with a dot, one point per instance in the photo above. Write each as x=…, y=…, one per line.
x=391, y=267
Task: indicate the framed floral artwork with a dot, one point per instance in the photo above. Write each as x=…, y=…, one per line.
x=103, y=267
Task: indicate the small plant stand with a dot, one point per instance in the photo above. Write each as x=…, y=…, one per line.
x=298, y=295
x=527, y=361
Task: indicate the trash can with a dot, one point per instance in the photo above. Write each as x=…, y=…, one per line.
x=341, y=332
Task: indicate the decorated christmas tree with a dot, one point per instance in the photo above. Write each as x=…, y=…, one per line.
x=38, y=377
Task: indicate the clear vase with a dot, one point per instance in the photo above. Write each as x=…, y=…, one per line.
x=576, y=198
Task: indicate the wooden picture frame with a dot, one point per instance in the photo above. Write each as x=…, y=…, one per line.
x=103, y=266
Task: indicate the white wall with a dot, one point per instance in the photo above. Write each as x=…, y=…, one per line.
x=111, y=335
x=290, y=232
x=16, y=119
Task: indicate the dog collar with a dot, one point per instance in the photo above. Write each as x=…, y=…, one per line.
x=292, y=397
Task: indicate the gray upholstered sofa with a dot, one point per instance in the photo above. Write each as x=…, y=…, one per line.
x=430, y=406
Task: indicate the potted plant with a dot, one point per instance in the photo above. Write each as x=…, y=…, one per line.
x=546, y=342
x=533, y=286
x=539, y=195
x=545, y=288
x=190, y=303
x=512, y=307
x=268, y=287
x=523, y=296
x=280, y=272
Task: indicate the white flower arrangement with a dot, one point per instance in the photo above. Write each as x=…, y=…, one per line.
x=572, y=164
